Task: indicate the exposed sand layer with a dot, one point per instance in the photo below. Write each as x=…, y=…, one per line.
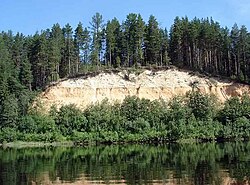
x=163, y=84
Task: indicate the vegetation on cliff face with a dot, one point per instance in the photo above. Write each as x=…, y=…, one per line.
x=29, y=63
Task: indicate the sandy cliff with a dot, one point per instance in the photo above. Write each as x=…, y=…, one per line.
x=164, y=84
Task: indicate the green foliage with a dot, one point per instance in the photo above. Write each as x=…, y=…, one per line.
x=100, y=117
x=9, y=113
x=70, y=118
x=178, y=109
x=137, y=120
x=202, y=106
x=82, y=137
x=37, y=127
x=8, y=134
x=133, y=107
x=231, y=111
x=235, y=117
x=27, y=124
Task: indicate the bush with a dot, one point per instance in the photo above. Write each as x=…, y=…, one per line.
x=202, y=106
x=27, y=124
x=132, y=108
x=241, y=128
x=45, y=124
x=8, y=134
x=231, y=111
x=70, y=118
x=104, y=116
x=109, y=136
x=82, y=137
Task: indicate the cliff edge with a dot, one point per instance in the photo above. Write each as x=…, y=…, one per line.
x=164, y=84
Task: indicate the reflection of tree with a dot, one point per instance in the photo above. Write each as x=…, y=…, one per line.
x=134, y=164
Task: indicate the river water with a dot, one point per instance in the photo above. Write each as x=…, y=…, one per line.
x=205, y=163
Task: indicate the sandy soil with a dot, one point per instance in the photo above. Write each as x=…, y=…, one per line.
x=163, y=84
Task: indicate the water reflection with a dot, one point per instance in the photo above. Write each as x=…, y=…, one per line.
x=207, y=163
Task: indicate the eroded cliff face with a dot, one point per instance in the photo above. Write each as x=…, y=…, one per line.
x=164, y=84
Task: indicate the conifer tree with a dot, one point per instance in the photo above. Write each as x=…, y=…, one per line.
x=55, y=51
x=153, y=42
x=67, y=63
x=97, y=27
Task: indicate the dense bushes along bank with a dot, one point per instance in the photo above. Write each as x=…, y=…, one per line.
x=195, y=116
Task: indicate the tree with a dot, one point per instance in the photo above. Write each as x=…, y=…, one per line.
x=97, y=28
x=25, y=75
x=79, y=43
x=86, y=45
x=55, y=51
x=133, y=29
x=153, y=41
x=139, y=42
x=17, y=49
x=244, y=44
x=9, y=111
x=235, y=50
x=112, y=39
x=164, y=58
x=175, y=42
x=67, y=66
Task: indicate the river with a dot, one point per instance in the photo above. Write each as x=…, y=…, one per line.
x=203, y=163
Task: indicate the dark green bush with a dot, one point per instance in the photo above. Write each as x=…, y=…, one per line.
x=70, y=118
x=201, y=105
x=9, y=134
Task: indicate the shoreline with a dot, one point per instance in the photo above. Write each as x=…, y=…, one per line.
x=23, y=144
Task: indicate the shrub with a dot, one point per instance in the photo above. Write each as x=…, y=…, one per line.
x=8, y=134
x=104, y=116
x=82, y=137
x=202, y=106
x=231, y=111
x=27, y=124
x=70, y=118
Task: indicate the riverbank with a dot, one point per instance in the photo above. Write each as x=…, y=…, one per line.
x=194, y=116
x=22, y=144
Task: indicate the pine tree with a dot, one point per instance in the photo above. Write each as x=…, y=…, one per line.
x=86, y=45
x=133, y=36
x=153, y=42
x=235, y=50
x=56, y=40
x=164, y=58
x=39, y=60
x=67, y=63
x=79, y=43
x=17, y=49
x=97, y=27
x=25, y=75
x=112, y=39
x=139, y=42
x=243, y=45
x=175, y=42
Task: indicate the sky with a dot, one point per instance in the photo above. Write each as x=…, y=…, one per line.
x=29, y=16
